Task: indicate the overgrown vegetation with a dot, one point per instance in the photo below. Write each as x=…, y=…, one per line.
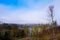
x=13, y=32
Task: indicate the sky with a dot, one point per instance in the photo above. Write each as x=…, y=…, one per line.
x=28, y=11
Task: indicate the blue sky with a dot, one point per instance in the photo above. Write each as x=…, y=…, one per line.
x=27, y=11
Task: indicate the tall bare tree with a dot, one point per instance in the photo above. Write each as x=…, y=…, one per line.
x=51, y=14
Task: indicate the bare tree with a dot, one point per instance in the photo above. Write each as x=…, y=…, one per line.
x=51, y=14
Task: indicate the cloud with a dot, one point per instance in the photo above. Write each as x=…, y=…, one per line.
x=34, y=13
x=23, y=16
x=57, y=11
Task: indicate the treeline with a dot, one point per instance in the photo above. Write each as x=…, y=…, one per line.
x=15, y=31
x=11, y=32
